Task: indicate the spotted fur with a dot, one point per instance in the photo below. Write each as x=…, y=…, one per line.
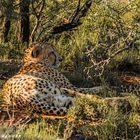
x=38, y=86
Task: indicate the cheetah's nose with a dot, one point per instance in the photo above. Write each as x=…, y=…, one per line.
x=60, y=59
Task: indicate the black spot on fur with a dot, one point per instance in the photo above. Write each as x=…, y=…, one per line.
x=44, y=107
x=48, y=108
x=51, y=111
x=54, y=108
x=58, y=112
x=55, y=92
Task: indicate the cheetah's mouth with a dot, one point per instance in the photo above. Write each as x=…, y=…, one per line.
x=56, y=65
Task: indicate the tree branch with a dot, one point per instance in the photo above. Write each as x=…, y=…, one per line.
x=75, y=22
x=37, y=17
x=77, y=10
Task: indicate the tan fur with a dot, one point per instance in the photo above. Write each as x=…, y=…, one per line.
x=33, y=87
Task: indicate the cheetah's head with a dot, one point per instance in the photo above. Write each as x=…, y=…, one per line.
x=39, y=52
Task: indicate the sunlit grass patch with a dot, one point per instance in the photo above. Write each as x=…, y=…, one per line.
x=94, y=117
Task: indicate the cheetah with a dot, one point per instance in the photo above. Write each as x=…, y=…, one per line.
x=129, y=83
x=38, y=86
x=42, y=63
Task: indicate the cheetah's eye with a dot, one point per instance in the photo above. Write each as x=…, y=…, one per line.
x=51, y=53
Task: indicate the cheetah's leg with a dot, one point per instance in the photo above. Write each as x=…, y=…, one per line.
x=58, y=105
x=94, y=90
x=49, y=110
x=78, y=94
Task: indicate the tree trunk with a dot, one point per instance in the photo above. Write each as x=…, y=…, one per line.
x=7, y=25
x=25, y=22
x=7, y=21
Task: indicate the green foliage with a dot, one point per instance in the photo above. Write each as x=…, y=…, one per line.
x=88, y=108
x=108, y=27
x=10, y=51
x=37, y=131
x=106, y=122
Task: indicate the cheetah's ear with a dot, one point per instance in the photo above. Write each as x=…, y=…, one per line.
x=36, y=52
